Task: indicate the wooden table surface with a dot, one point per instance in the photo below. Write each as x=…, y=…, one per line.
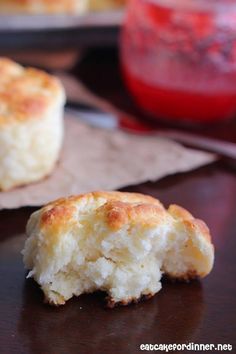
x=201, y=311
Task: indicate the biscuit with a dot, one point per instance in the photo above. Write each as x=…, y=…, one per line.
x=31, y=124
x=120, y=243
x=43, y=6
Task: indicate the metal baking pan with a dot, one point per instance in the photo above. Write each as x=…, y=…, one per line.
x=59, y=31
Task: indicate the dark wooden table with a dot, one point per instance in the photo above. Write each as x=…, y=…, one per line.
x=201, y=311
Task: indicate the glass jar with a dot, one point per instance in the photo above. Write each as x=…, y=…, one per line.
x=179, y=58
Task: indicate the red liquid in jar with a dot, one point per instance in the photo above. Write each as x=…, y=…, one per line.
x=179, y=64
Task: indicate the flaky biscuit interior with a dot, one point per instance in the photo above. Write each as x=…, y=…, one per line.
x=120, y=243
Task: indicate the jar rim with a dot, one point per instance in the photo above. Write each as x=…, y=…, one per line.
x=198, y=5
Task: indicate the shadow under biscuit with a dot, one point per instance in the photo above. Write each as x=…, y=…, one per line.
x=84, y=325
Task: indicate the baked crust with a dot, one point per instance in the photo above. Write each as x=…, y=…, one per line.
x=43, y=6
x=26, y=93
x=118, y=207
x=127, y=232
x=191, y=223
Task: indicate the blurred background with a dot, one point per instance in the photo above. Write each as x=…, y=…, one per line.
x=165, y=63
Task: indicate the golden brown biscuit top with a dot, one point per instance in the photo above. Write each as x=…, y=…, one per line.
x=116, y=209
x=41, y=6
x=119, y=213
x=190, y=222
x=26, y=93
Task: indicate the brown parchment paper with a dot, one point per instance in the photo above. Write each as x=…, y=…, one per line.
x=100, y=159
